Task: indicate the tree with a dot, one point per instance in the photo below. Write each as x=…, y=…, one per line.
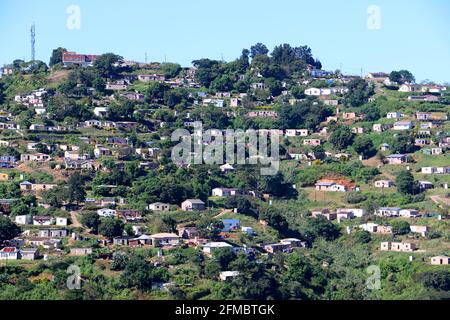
x=358, y=93
x=207, y=71
x=401, y=77
x=155, y=92
x=75, y=188
x=209, y=228
x=303, y=114
x=119, y=261
x=403, y=143
x=436, y=279
x=319, y=152
x=169, y=224
x=56, y=57
x=258, y=49
x=364, y=146
x=91, y=220
x=275, y=220
x=110, y=227
x=170, y=70
x=20, y=209
x=400, y=227
x=108, y=64
x=139, y=273
x=8, y=229
x=223, y=257
x=362, y=236
x=406, y=184
x=371, y=112
x=341, y=137
x=319, y=227
x=2, y=94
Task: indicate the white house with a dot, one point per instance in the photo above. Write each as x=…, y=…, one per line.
x=296, y=133
x=422, y=230
x=159, y=206
x=23, y=219
x=210, y=247
x=388, y=212
x=409, y=213
x=106, y=212
x=425, y=185
x=193, y=205
x=43, y=221
x=403, y=125
x=356, y=212
x=369, y=227
x=226, y=168
x=384, y=184
x=224, y=192
x=409, y=88
x=227, y=275
x=394, y=115
x=9, y=253
x=61, y=221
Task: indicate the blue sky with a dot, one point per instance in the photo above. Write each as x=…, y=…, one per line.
x=414, y=34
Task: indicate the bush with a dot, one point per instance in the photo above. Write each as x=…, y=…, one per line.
x=400, y=227
x=355, y=197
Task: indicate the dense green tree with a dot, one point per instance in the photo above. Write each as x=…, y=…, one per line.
x=403, y=143
x=258, y=49
x=108, y=64
x=400, y=227
x=210, y=228
x=304, y=114
x=341, y=137
x=110, y=227
x=359, y=91
x=91, y=220
x=56, y=57
x=170, y=70
x=8, y=229
x=155, y=92
x=207, y=71
x=371, y=112
x=76, y=188
x=436, y=279
x=319, y=227
x=362, y=236
x=363, y=145
x=140, y=274
x=119, y=261
x=401, y=77
x=406, y=184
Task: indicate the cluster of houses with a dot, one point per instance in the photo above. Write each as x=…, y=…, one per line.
x=36, y=100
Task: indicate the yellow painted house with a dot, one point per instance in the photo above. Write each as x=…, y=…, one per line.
x=4, y=177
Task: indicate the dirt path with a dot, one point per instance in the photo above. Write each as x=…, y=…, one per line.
x=74, y=218
x=223, y=212
x=439, y=200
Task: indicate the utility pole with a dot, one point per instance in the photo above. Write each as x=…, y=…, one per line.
x=146, y=58
x=33, y=41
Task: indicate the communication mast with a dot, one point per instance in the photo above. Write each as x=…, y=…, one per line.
x=33, y=41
